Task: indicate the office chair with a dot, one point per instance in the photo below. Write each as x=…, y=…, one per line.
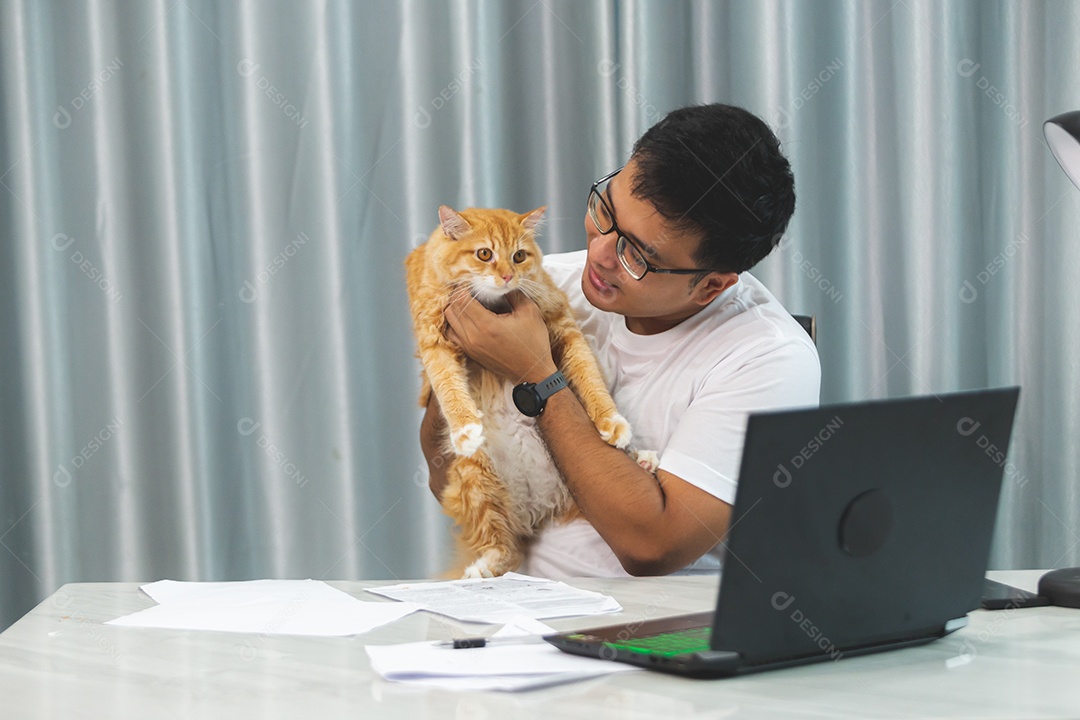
x=809, y=323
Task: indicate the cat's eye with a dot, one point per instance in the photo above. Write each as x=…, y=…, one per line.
x=484, y=254
x=520, y=255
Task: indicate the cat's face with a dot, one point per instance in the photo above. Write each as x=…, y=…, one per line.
x=491, y=252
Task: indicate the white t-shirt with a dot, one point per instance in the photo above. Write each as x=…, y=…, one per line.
x=686, y=392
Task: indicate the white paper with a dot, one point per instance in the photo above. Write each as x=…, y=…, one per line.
x=497, y=600
x=521, y=625
x=496, y=667
x=167, y=591
x=265, y=607
x=511, y=683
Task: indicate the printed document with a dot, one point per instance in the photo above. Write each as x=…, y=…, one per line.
x=497, y=600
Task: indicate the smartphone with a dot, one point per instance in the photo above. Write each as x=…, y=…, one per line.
x=999, y=596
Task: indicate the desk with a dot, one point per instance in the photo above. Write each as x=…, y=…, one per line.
x=60, y=661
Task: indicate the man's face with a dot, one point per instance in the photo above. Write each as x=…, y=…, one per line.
x=656, y=302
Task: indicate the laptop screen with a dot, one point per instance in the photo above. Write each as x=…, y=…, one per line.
x=862, y=524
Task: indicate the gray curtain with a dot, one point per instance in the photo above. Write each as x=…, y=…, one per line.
x=207, y=368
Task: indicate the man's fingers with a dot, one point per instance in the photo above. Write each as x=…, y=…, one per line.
x=455, y=305
x=457, y=311
x=520, y=301
x=516, y=299
x=452, y=336
x=464, y=306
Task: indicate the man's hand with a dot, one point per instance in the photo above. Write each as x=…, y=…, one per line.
x=514, y=345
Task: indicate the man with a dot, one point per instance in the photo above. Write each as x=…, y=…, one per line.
x=691, y=342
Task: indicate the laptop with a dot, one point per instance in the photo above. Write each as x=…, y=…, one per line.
x=857, y=528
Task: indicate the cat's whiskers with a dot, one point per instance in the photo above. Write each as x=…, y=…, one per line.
x=532, y=289
x=483, y=287
x=457, y=285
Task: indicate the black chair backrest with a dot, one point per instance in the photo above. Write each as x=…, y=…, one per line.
x=809, y=323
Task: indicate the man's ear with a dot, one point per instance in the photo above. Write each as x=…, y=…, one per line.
x=712, y=285
x=453, y=225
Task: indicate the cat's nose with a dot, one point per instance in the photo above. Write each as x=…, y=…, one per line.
x=507, y=278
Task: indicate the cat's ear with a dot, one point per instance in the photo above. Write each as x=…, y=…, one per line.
x=531, y=220
x=453, y=224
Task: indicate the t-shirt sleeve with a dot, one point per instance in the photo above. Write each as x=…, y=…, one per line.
x=705, y=449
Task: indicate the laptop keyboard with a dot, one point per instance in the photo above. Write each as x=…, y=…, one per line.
x=669, y=643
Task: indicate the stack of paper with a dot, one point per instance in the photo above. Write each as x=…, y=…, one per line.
x=266, y=607
x=498, y=600
x=496, y=667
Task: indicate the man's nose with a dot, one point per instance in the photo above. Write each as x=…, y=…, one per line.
x=601, y=245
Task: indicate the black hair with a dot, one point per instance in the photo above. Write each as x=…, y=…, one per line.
x=717, y=171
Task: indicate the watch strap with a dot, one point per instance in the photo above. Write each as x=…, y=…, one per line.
x=550, y=385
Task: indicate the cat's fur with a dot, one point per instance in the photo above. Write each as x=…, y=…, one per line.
x=502, y=485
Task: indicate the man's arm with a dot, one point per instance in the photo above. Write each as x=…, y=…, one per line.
x=432, y=432
x=654, y=524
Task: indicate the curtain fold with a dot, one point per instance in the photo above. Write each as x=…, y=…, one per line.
x=208, y=370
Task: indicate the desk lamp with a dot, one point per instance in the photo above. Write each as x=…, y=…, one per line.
x=1062, y=133
x=1063, y=136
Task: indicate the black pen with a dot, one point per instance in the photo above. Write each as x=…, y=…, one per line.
x=479, y=642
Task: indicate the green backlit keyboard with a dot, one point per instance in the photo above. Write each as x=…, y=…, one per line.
x=669, y=643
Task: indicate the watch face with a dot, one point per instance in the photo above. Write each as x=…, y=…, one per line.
x=527, y=400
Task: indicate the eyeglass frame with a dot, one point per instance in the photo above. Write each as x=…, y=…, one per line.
x=623, y=239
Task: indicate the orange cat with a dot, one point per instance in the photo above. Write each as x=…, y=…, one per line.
x=502, y=486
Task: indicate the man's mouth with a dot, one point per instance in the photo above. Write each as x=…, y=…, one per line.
x=598, y=282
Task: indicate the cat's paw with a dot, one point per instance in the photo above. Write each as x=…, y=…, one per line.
x=478, y=569
x=615, y=430
x=468, y=439
x=491, y=564
x=647, y=459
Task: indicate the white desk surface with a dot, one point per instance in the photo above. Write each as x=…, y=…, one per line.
x=60, y=661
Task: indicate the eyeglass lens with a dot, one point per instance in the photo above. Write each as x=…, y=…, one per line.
x=629, y=256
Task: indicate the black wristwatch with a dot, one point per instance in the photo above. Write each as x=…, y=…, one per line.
x=531, y=398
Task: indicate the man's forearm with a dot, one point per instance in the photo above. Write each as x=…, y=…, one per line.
x=623, y=502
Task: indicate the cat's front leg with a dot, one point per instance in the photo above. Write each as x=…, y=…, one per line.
x=450, y=383
x=581, y=369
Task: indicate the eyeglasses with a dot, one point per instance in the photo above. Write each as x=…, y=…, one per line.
x=630, y=254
